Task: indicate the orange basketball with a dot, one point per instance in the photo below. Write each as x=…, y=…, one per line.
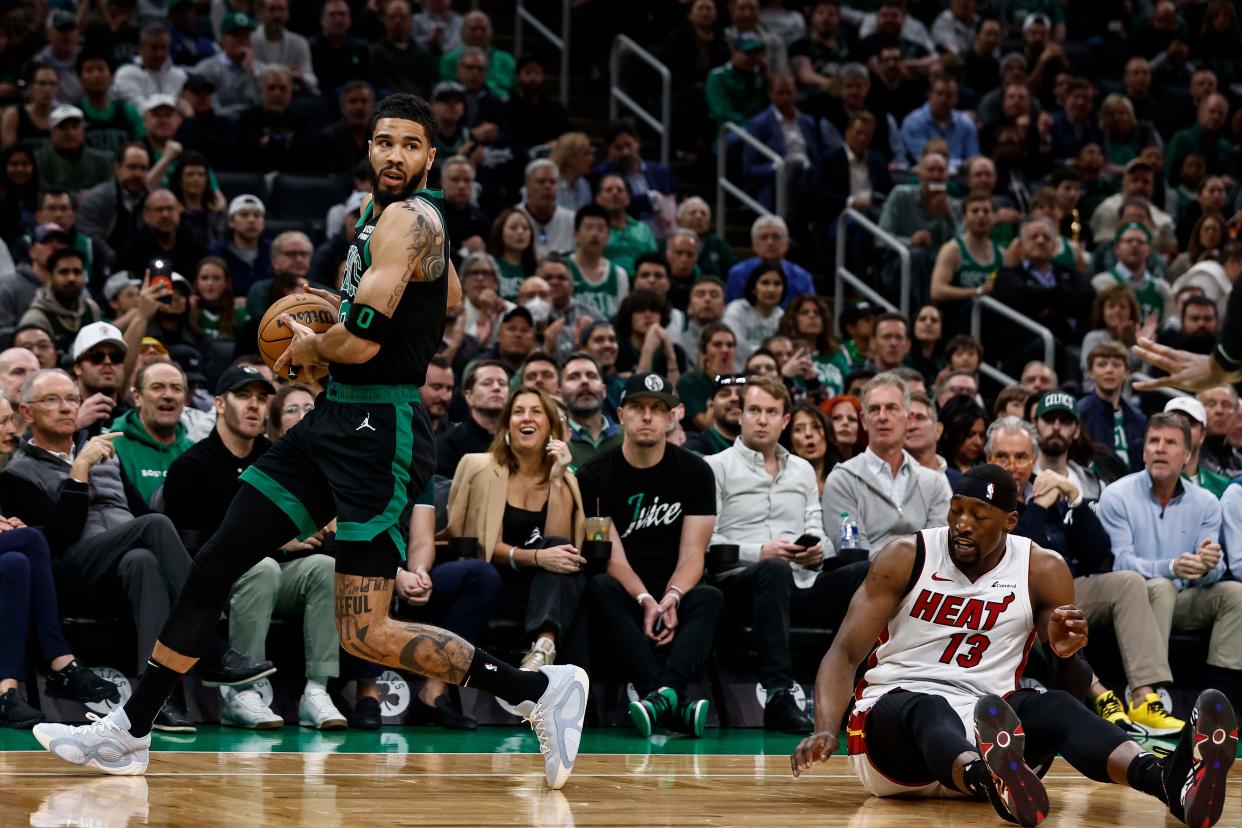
x=274, y=335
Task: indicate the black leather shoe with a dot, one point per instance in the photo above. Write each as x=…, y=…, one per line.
x=783, y=714
x=366, y=714
x=74, y=681
x=442, y=715
x=173, y=719
x=233, y=668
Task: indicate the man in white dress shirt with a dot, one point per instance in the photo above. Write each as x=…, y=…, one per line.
x=767, y=499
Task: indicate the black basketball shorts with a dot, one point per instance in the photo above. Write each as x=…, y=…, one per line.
x=355, y=457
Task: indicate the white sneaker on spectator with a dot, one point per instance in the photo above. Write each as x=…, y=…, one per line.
x=315, y=709
x=557, y=720
x=245, y=708
x=105, y=744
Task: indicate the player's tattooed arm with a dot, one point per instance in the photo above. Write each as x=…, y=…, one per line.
x=368, y=632
x=425, y=242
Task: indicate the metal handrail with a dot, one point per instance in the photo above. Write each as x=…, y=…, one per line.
x=664, y=124
x=976, y=324
x=844, y=276
x=889, y=240
x=1172, y=393
x=560, y=42
x=726, y=187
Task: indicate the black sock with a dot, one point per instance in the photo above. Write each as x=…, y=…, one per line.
x=154, y=688
x=500, y=679
x=1144, y=776
x=977, y=778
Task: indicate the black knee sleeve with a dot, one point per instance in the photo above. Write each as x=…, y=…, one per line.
x=252, y=529
x=901, y=721
x=379, y=557
x=1055, y=722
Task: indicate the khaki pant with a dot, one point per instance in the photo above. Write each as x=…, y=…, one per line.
x=1120, y=600
x=303, y=586
x=1218, y=606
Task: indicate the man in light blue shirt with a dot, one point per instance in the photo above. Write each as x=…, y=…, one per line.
x=939, y=119
x=1169, y=533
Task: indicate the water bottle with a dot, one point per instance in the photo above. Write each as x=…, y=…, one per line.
x=848, y=549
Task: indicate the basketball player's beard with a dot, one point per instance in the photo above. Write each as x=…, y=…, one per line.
x=384, y=197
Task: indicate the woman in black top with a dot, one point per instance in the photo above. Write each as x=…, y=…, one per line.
x=19, y=191
x=520, y=501
x=965, y=425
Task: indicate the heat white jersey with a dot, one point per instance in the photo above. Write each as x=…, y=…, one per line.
x=952, y=638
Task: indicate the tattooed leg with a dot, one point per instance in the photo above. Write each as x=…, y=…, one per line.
x=368, y=632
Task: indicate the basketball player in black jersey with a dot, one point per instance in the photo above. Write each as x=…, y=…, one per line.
x=355, y=458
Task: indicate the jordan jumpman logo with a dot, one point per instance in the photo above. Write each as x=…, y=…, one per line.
x=366, y=423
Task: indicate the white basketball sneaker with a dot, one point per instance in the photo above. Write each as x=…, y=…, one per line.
x=105, y=744
x=557, y=720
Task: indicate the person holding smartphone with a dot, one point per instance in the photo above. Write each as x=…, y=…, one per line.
x=768, y=504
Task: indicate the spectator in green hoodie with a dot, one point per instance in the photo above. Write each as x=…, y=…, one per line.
x=152, y=433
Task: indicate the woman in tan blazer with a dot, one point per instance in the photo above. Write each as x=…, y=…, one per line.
x=521, y=503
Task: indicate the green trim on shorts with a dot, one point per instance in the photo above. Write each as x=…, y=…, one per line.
x=340, y=392
x=284, y=500
x=401, y=458
x=394, y=535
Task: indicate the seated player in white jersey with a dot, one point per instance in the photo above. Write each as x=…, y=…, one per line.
x=952, y=614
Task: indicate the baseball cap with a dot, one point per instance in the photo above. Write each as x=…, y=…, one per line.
x=1137, y=164
x=747, y=42
x=63, y=113
x=96, y=333
x=236, y=22
x=1053, y=401
x=238, y=377
x=117, y=282
x=1190, y=407
x=1009, y=57
x=648, y=384
x=50, y=231
x=152, y=342
x=850, y=314
x=246, y=202
x=447, y=88
x=197, y=84
x=1035, y=18
x=62, y=20
x=156, y=101
x=516, y=312
x=723, y=381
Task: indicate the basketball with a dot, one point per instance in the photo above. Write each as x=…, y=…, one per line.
x=274, y=335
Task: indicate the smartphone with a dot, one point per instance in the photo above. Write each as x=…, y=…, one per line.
x=161, y=274
x=806, y=541
x=658, y=626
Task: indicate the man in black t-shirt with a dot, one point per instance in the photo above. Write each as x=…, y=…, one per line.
x=662, y=502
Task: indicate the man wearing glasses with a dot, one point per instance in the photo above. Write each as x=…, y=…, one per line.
x=98, y=363
x=105, y=553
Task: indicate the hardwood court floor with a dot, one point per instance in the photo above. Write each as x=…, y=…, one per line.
x=306, y=779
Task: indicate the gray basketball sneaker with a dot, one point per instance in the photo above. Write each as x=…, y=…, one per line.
x=557, y=719
x=105, y=744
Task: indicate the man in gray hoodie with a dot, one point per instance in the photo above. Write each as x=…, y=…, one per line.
x=61, y=307
x=885, y=489
x=18, y=289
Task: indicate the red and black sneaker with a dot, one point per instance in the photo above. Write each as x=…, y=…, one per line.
x=1017, y=793
x=1196, y=771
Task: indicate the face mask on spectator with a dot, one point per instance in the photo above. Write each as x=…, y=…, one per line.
x=540, y=309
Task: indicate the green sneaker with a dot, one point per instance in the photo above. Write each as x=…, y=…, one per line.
x=653, y=710
x=690, y=717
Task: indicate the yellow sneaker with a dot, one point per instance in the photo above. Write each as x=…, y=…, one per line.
x=1110, y=708
x=1153, y=718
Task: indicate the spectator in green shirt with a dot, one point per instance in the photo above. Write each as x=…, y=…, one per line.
x=1205, y=138
x=628, y=238
x=67, y=161
x=737, y=91
x=476, y=31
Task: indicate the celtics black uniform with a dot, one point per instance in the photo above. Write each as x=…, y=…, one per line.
x=368, y=443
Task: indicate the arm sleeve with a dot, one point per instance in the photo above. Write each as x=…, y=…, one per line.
x=1121, y=534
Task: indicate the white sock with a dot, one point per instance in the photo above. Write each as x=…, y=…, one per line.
x=316, y=684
